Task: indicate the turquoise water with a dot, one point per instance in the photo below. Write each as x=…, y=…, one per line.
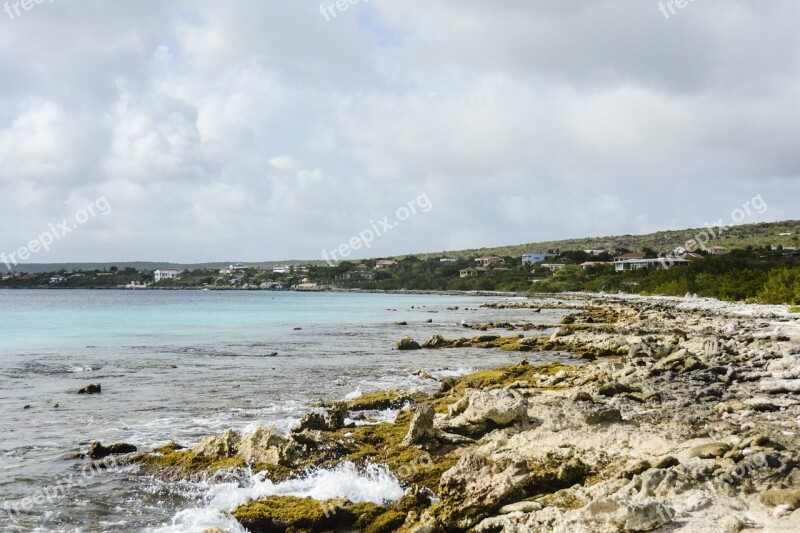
x=180, y=365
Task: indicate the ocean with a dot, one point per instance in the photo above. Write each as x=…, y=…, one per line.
x=182, y=365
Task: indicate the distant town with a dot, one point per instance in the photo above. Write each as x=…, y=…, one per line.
x=731, y=274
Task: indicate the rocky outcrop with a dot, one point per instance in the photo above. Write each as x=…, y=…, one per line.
x=689, y=426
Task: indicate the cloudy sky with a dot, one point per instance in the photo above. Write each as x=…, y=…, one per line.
x=274, y=129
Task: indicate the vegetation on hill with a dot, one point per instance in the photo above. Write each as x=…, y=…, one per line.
x=742, y=236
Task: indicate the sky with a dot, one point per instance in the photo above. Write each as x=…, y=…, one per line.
x=210, y=130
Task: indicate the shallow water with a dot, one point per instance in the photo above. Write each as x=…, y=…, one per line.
x=180, y=365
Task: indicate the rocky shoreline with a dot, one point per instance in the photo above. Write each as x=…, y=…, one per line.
x=679, y=415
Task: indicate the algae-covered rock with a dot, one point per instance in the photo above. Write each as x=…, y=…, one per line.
x=98, y=451
x=293, y=514
x=407, y=343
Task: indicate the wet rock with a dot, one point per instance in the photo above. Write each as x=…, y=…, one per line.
x=225, y=445
x=421, y=430
x=91, y=389
x=407, y=343
x=335, y=414
x=263, y=446
x=313, y=421
x=98, y=451
x=437, y=341
x=402, y=323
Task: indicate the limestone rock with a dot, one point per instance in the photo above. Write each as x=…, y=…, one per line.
x=421, y=430
x=481, y=411
x=712, y=450
x=225, y=445
x=261, y=447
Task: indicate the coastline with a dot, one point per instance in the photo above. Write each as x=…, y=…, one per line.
x=685, y=417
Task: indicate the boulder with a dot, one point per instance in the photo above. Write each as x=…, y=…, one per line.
x=437, y=341
x=481, y=411
x=91, y=389
x=98, y=451
x=407, y=343
x=712, y=450
x=421, y=430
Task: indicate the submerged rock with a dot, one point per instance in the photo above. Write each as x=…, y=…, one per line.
x=98, y=451
x=91, y=389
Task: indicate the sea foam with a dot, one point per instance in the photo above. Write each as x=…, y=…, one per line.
x=374, y=483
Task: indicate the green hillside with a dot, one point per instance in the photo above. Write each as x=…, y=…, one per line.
x=762, y=234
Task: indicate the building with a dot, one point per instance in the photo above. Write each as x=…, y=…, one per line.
x=553, y=267
x=356, y=274
x=57, y=279
x=448, y=260
x=384, y=263
x=238, y=266
x=471, y=272
x=489, y=261
x=533, y=259
x=282, y=269
x=166, y=273
x=630, y=257
x=717, y=250
x=594, y=252
x=664, y=263
x=270, y=285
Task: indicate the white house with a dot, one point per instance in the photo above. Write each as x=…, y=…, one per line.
x=57, y=279
x=664, y=263
x=285, y=269
x=167, y=273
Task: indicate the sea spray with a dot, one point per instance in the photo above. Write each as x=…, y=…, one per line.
x=373, y=483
